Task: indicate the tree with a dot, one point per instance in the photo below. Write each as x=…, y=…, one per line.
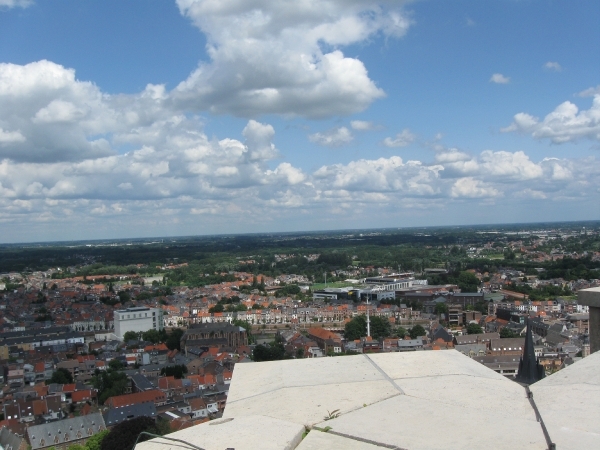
x=124, y=296
x=507, y=333
x=151, y=335
x=173, y=342
x=115, y=364
x=61, y=376
x=217, y=308
x=474, y=328
x=468, y=282
x=441, y=308
x=380, y=327
x=356, y=328
x=291, y=289
x=95, y=441
x=109, y=383
x=417, y=331
x=124, y=435
x=76, y=447
x=400, y=332
x=273, y=352
x=130, y=336
x=177, y=371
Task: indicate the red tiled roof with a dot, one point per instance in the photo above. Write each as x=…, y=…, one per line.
x=82, y=396
x=153, y=395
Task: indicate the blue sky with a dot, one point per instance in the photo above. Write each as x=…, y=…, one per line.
x=130, y=119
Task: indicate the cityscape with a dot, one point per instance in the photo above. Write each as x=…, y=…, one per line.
x=300, y=225
x=110, y=343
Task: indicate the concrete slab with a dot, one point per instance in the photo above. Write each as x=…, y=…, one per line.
x=318, y=440
x=253, y=379
x=584, y=371
x=500, y=397
x=308, y=405
x=569, y=404
x=244, y=433
x=430, y=363
x=570, y=415
x=417, y=400
x=419, y=424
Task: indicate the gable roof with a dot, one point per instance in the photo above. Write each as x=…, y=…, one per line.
x=119, y=401
x=65, y=431
x=115, y=416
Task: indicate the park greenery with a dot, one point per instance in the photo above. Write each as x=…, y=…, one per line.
x=110, y=382
x=172, y=340
x=357, y=328
x=200, y=261
x=123, y=436
x=178, y=371
x=474, y=328
x=61, y=376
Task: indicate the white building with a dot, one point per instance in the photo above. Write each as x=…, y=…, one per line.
x=137, y=319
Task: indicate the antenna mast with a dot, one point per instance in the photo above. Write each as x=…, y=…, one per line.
x=368, y=320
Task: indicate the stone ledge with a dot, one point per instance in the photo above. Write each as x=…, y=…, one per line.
x=589, y=297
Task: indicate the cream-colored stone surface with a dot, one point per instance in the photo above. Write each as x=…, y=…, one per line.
x=430, y=364
x=418, y=424
x=250, y=380
x=499, y=397
x=318, y=440
x=308, y=405
x=584, y=371
x=242, y=433
x=417, y=400
x=569, y=403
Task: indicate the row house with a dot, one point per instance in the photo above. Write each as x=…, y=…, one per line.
x=89, y=325
x=26, y=411
x=326, y=340
x=155, y=396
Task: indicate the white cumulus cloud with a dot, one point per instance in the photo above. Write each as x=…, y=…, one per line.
x=268, y=56
x=553, y=65
x=381, y=175
x=332, y=138
x=472, y=188
x=590, y=92
x=363, y=125
x=15, y=3
x=499, y=79
x=565, y=124
x=10, y=137
x=401, y=140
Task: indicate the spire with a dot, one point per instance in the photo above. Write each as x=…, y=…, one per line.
x=530, y=370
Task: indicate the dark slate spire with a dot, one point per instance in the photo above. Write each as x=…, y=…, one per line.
x=530, y=370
